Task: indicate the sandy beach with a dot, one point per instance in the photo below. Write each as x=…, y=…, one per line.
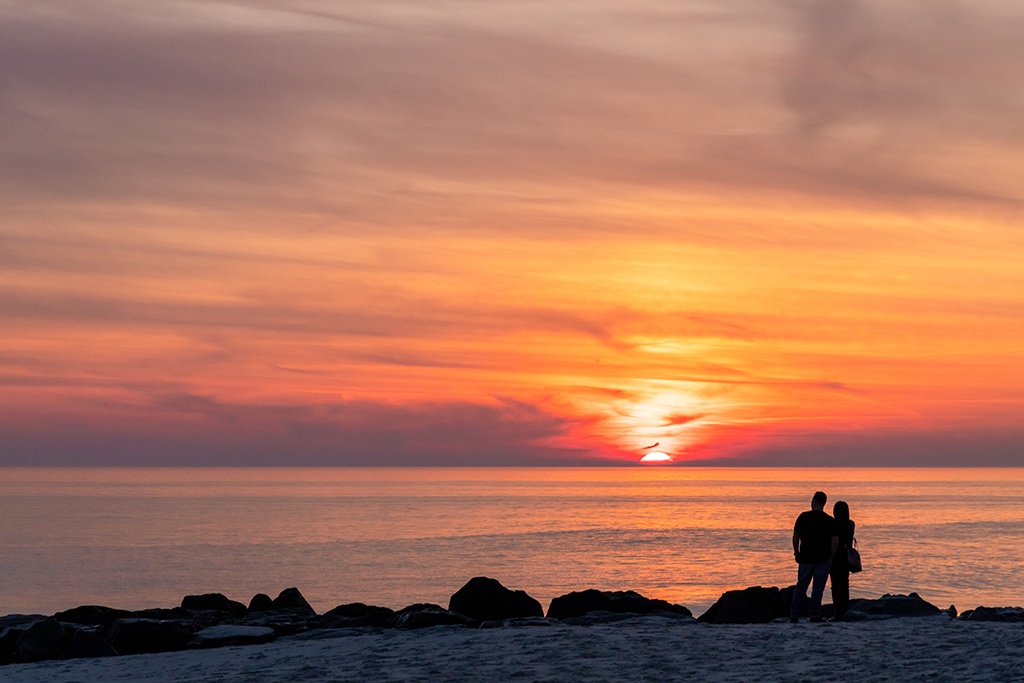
x=639, y=649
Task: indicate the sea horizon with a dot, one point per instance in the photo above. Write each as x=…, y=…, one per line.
x=138, y=537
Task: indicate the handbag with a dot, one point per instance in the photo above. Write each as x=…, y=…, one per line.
x=853, y=558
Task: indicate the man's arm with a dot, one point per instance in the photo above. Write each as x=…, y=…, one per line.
x=796, y=544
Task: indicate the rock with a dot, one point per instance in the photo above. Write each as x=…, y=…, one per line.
x=214, y=601
x=577, y=604
x=9, y=641
x=1005, y=614
x=261, y=602
x=162, y=614
x=284, y=622
x=754, y=605
x=17, y=620
x=424, y=615
x=92, y=615
x=890, y=606
x=45, y=639
x=354, y=615
x=232, y=634
x=202, y=618
x=291, y=599
x=86, y=644
x=485, y=599
x=144, y=636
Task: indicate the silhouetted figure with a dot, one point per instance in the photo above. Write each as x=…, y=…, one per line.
x=840, y=570
x=814, y=543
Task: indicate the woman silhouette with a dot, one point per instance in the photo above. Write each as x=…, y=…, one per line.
x=840, y=571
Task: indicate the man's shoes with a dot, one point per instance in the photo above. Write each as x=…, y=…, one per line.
x=816, y=620
x=793, y=620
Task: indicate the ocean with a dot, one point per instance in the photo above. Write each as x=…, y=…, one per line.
x=138, y=538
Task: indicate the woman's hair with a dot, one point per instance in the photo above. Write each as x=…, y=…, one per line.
x=841, y=511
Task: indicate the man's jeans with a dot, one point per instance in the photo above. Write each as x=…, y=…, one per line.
x=806, y=572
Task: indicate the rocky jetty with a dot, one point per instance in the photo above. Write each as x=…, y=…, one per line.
x=759, y=605
x=212, y=620
x=581, y=603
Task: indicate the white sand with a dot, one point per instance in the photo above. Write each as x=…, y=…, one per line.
x=649, y=649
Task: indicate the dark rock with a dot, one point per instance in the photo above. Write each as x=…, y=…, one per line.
x=424, y=615
x=214, y=601
x=284, y=622
x=86, y=644
x=1005, y=614
x=577, y=604
x=291, y=599
x=890, y=606
x=92, y=615
x=485, y=599
x=45, y=639
x=16, y=620
x=754, y=605
x=354, y=615
x=144, y=636
x=232, y=634
x=11, y=628
x=211, y=617
x=162, y=614
x=261, y=602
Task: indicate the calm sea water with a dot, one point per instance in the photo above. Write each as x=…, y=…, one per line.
x=136, y=538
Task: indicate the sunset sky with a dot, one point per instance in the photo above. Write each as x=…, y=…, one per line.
x=503, y=232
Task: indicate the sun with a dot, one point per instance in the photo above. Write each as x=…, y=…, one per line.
x=656, y=457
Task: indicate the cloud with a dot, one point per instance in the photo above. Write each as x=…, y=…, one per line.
x=183, y=429
x=363, y=112
x=885, y=447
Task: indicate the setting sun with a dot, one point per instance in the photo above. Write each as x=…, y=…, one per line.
x=656, y=457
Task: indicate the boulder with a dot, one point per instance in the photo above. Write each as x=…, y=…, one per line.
x=8, y=641
x=18, y=620
x=202, y=618
x=86, y=644
x=291, y=599
x=485, y=599
x=45, y=639
x=754, y=605
x=162, y=614
x=354, y=615
x=232, y=634
x=214, y=601
x=1005, y=614
x=144, y=636
x=890, y=606
x=261, y=602
x=424, y=615
x=577, y=604
x=92, y=615
x=284, y=622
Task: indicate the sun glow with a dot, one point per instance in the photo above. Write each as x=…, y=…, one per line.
x=656, y=457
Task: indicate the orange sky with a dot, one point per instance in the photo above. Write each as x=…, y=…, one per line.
x=511, y=233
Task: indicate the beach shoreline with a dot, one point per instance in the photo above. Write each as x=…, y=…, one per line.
x=637, y=649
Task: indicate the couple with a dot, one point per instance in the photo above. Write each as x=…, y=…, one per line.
x=820, y=543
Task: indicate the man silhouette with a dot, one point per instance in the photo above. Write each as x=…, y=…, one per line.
x=815, y=538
